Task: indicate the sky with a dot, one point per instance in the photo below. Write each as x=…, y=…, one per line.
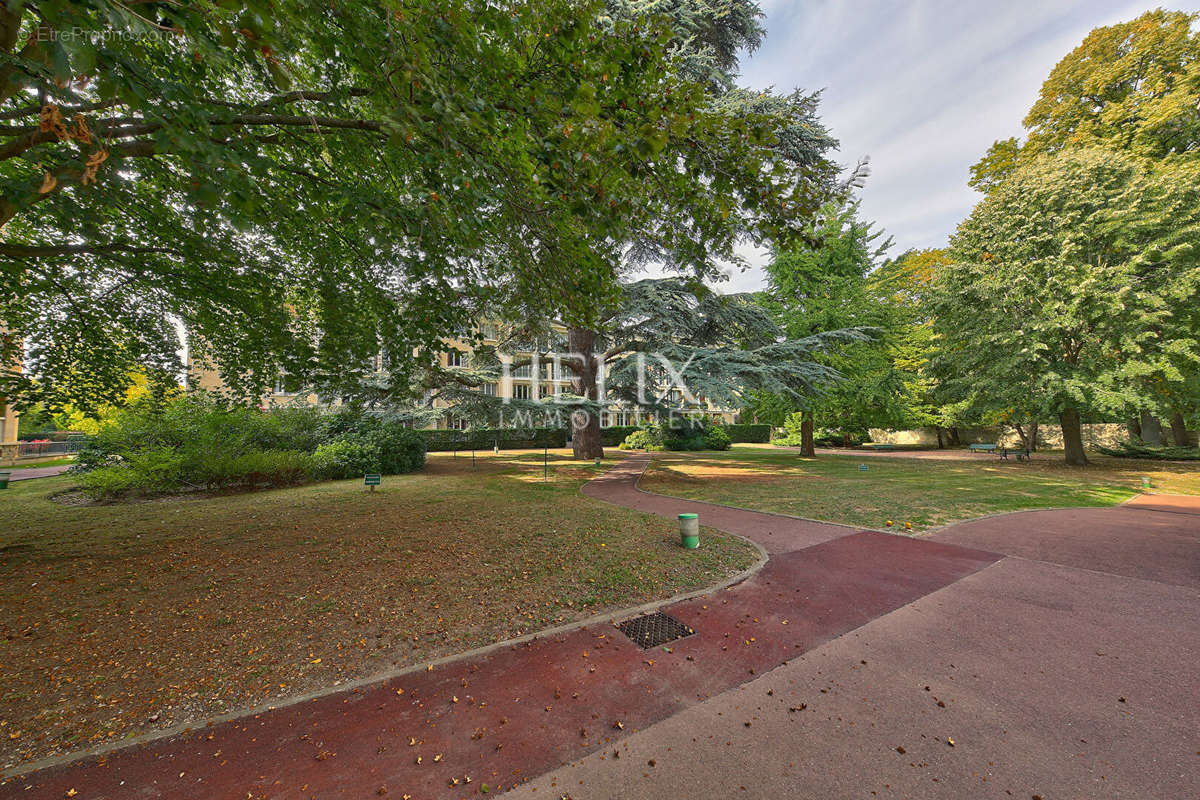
x=922, y=87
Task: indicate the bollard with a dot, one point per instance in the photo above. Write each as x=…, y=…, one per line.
x=4, y=476
x=689, y=530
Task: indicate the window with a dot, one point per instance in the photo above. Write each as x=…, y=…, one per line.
x=489, y=331
x=547, y=390
x=489, y=389
x=454, y=358
x=520, y=391
x=287, y=384
x=522, y=371
x=454, y=423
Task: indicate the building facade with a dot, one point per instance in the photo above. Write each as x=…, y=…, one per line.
x=531, y=377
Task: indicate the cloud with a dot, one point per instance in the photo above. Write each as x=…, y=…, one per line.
x=923, y=87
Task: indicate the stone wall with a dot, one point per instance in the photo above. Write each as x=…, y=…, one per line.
x=1107, y=434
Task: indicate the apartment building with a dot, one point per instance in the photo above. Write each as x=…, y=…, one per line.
x=542, y=380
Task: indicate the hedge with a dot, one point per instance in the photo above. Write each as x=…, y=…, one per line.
x=614, y=435
x=749, y=433
x=442, y=440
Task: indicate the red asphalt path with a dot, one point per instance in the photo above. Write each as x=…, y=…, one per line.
x=514, y=713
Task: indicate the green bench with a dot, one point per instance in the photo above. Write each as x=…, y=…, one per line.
x=874, y=446
x=982, y=448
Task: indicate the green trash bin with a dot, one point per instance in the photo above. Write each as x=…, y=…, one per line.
x=4, y=475
x=689, y=530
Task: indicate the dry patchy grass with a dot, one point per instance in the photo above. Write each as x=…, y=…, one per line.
x=926, y=493
x=118, y=619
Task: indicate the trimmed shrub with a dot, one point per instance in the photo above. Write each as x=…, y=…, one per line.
x=345, y=458
x=400, y=449
x=642, y=439
x=748, y=433
x=715, y=438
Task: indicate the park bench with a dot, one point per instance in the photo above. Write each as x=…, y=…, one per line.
x=1021, y=455
x=874, y=446
x=982, y=448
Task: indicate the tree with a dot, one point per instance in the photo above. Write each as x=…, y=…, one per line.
x=677, y=334
x=819, y=284
x=297, y=202
x=996, y=165
x=1130, y=87
x=1062, y=295
x=734, y=193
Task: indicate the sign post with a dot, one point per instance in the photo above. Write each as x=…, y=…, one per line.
x=372, y=480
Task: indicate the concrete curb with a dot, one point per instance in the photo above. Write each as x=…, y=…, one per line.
x=358, y=683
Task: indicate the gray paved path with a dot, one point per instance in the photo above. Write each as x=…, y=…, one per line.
x=28, y=473
x=1068, y=669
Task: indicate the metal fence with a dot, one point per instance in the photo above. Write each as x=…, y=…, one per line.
x=38, y=449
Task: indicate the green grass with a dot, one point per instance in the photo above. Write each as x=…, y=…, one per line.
x=181, y=608
x=50, y=462
x=924, y=492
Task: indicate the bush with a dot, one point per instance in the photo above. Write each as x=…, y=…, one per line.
x=614, y=435
x=345, y=458
x=825, y=437
x=685, y=435
x=401, y=449
x=1139, y=450
x=642, y=439
x=252, y=469
x=193, y=443
x=748, y=433
x=715, y=438
x=165, y=469
x=108, y=483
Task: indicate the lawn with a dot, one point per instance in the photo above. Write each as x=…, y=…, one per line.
x=119, y=619
x=49, y=462
x=926, y=493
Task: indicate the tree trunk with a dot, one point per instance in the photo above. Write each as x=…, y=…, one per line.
x=1135, y=428
x=585, y=424
x=938, y=430
x=1072, y=437
x=1022, y=435
x=954, y=441
x=1151, y=429
x=806, y=434
x=1179, y=430
x=1033, y=434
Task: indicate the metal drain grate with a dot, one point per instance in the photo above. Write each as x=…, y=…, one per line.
x=654, y=629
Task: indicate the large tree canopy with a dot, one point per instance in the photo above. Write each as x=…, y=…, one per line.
x=300, y=184
x=1134, y=87
x=732, y=200
x=1072, y=290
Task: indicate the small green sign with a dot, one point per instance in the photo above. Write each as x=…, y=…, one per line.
x=862, y=467
x=371, y=480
